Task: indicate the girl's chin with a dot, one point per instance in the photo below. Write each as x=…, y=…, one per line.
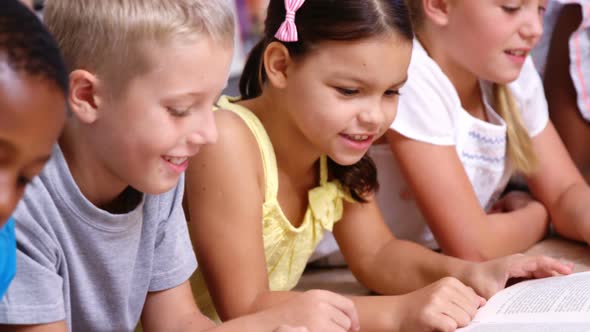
x=504, y=77
x=346, y=160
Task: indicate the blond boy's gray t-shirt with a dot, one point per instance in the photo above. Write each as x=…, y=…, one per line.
x=78, y=263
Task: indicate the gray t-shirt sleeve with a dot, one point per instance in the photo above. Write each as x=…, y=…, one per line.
x=35, y=296
x=174, y=258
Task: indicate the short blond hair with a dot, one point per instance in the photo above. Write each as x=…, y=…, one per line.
x=106, y=36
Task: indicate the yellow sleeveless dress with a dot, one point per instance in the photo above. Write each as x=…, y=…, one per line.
x=287, y=248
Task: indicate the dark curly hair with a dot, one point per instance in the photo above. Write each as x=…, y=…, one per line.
x=26, y=45
x=338, y=20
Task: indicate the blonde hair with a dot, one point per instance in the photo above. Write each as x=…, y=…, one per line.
x=106, y=36
x=519, y=145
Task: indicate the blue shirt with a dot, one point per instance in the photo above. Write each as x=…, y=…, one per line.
x=7, y=255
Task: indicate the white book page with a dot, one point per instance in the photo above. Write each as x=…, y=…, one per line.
x=550, y=300
x=527, y=327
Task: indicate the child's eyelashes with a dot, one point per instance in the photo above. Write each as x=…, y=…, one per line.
x=392, y=93
x=177, y=112
x=347, y=91
x=514, y=9
x=511, y=9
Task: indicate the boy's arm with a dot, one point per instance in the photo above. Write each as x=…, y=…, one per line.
x=173, y=310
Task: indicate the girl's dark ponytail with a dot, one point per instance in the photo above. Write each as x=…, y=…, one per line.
x=360, y=179
x=253, y=74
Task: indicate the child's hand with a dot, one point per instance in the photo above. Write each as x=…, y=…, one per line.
x=320, y=311
x=489, y=277
x=287, y=328
x=442, y=306
x=512, y=201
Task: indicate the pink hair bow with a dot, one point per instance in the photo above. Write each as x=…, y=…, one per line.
x=288, y=30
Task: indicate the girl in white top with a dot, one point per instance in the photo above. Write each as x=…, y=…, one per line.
x=563, y=58
x=472, y=114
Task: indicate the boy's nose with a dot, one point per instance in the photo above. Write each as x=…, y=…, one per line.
x=204, y=130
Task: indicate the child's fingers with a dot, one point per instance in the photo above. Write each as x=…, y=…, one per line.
x=456, y=301
x=463, y=295
x=458, y=313
x=287, y=328
x=539, y=267
x=346, y=306
x=470, y=298
x=340, y=320
x=547, y=266
x=468, y=301
x=445, y=323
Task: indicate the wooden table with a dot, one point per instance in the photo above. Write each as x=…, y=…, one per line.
x=577, y=253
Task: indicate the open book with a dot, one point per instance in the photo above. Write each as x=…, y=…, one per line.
x=556, y=304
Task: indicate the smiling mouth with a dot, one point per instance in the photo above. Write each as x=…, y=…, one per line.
x=176, y=160
x=357, y=138
x=519, y=53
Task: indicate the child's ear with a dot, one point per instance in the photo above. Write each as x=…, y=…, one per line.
x=83, y=98
x=437, y=11
x=276, y=61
